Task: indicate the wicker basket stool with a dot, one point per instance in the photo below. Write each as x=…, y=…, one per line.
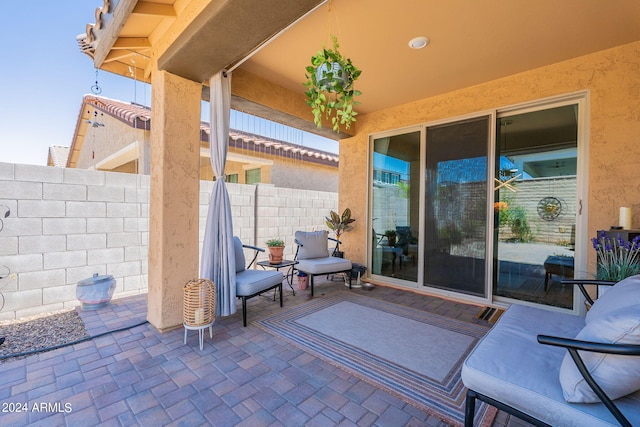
x=199, y=307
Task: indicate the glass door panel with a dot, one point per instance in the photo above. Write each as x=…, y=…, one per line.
x=455, y=229
x=535, y=205
x=395, y=206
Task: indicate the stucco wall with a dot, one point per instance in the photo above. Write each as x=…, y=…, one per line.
x=101, y=142
x=288, y=173
x=612, y=78
x=67, y=224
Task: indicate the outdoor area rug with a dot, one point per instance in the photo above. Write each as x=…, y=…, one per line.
x=414, y=355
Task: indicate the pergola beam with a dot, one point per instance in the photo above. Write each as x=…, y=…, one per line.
x=132, y=43
x=156, y=9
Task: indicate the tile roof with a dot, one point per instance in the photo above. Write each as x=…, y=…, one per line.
x=139, y=116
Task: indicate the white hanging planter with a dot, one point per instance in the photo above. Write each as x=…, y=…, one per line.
x=330, y=71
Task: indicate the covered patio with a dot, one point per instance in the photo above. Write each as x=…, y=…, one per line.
x=488, y=56
x=243, y=376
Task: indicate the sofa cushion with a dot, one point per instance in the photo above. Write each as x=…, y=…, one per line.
x=617, y=375
x=510, y=365
x=328, y=264
x=239, y=254
x=624, y=293
x=314, y=244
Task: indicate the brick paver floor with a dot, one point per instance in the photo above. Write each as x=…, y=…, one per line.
x=243, y=376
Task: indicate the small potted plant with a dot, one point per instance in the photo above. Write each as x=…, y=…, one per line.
x=276, y=249
x=617, y=258
x=330, y=91
x=339, y=224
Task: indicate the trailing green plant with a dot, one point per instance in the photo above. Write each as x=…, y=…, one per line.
x=617, y=258
x=274, y=243
x=330, y=92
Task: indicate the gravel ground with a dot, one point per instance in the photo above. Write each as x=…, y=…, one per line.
x=39, y=332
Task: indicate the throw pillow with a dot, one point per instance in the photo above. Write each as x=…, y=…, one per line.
x=624, y=293
x=617, y=375
x=314, y=244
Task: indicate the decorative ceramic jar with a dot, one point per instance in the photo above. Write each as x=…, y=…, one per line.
x=96, y=291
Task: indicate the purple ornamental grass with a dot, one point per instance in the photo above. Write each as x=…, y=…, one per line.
x=617, y=258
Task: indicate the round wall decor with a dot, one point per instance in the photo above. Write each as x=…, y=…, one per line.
x=549, y=208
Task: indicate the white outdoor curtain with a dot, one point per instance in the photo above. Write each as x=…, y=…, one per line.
x=218, y=261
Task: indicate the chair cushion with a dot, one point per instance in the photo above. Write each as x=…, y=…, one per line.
x=239, y=254
x=624, y=293
x=328, y=264
x=250, y=282
x=617, y=375
x=314, y=244
x=510, y=365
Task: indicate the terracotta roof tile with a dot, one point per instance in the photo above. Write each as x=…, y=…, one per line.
x=139, y=116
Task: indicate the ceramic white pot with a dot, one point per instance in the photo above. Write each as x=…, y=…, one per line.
x=96, y=291
x=336, y=70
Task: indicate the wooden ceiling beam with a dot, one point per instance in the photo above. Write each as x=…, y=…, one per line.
x=118, y=55
x=156, y=9
x=132, y=43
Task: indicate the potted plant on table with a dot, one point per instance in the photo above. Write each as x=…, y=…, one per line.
x=617, y=258
x=339, y=224
x=276, y=249
x=330, y=91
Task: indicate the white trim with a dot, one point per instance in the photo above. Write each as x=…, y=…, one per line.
x=119, y=158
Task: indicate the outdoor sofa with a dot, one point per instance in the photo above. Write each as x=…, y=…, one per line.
x=529, y=364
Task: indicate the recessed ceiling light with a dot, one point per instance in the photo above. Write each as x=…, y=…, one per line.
x=418, y=42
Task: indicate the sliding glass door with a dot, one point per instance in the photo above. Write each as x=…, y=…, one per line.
x=395, y=197
x=455, y=218
x=485, y=206
x=535, y=195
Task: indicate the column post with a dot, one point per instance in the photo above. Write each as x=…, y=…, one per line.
x=174, y=195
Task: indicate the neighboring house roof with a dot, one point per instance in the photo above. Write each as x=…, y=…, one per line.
x=139, y=116
x=58, y=156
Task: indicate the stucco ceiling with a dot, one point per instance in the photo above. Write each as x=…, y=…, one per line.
x=470, y=41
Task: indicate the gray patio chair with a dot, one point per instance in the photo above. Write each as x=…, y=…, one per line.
x=249, y=282
x=314, y=258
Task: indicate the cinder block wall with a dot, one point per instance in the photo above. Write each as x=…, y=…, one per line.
x=68, y=224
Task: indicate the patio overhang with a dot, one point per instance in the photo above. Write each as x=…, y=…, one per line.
x=196, y=39
x=224, y=32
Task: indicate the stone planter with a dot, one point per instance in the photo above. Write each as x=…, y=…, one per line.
x=96, y=291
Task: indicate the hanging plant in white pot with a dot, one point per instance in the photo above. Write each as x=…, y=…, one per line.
x=330, y=92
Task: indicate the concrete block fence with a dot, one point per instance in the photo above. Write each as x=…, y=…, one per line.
x=67, y=224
